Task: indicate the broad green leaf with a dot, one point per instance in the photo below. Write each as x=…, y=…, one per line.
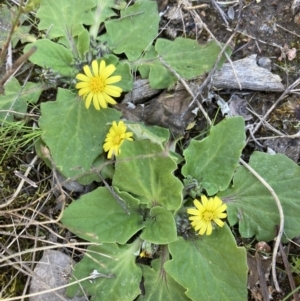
x=52, y=55
x=160, y=227
x=74, y=134
x=64, y=18
x=213, y=160
x=155, y=133
x=150, y=67
x=23, y=34
x=252, y=205
x=138, y=22
x=210, y=268
x=83, y=43
x=103, y=11
x=16, y=98
x=146, y=170
x=159, y=286
x=185, y=56
x=98, y=217
x=126, y=275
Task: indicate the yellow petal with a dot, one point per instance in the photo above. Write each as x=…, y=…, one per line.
x=108, y=99
x=219, y=222
x=95, y=67
x=84, y=91
x=110, y=153
x=82, y=77
x=193, y=211
x=111, y=90
x=203, y=229
x=96, y=103
x=102, y=67
x=102, y=101
x=88, y=100
x=198, y=205
x=108, y=71
x=209, y=229
x=82, y=85
x=204, y=200
x=113, y=79
x=87, y=71
x=106, y=146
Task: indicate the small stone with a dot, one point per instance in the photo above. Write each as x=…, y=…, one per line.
x=265, y=62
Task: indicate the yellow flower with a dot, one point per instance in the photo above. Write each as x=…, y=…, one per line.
x=208, y=211
x=96, y=85
x=115, y=137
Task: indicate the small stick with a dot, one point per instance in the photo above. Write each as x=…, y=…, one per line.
x=186, y=87
x=281, y=223
x=16, y=65
x=288, y=90
x=114, y=194
x=289, y=273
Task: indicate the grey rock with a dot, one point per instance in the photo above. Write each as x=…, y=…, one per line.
x=52, y=271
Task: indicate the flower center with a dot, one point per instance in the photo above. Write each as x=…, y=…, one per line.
x=97, y=84
x=208, y=216
x=117, y=139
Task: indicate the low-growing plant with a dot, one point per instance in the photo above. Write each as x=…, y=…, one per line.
x=159, y=221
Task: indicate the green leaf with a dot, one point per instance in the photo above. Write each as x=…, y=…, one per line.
x=114, y=261
x=146, y=170
x=155, y=134
x=213, y=160
x=210, y=268
x=98, y=217
x=159, y=286
x=150, y=66
x=16, y=98
x=138, y=22
x=252, y=205
x=185, y=56
x=64, y=18
x=22, y=34
x=74, y=134
x=103, y=11
x=83, y=43
x=160, y=227
x=52, y=55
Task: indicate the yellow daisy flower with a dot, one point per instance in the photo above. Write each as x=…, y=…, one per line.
x=208, y=211
x=115, y=137
x=96, y=85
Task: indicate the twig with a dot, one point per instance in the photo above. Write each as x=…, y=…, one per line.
x=281, y=223
x=16, y=65
x=291, y=32
x=186, y=87
x=289, y=273
x=114, y=194
x=288, y=90
x=262, y=279
x=13, y=26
